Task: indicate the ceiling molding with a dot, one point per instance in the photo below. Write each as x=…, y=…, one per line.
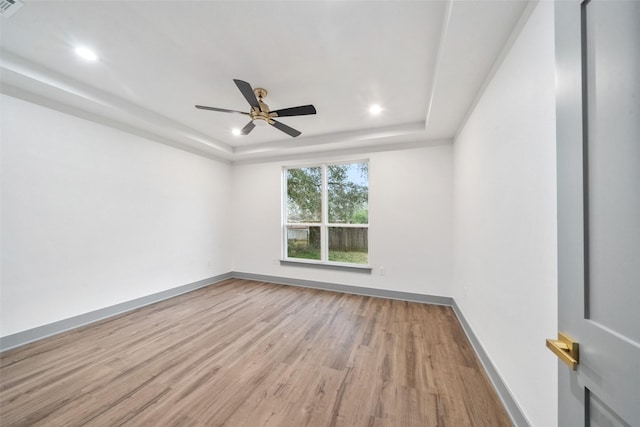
x=102, y=120
x=28, y=81
x=438, y=63
x=513, y=36
x=29, y=77
x=331, y=154
x=332, y=138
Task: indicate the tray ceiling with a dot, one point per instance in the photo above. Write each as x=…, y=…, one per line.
x=424, y=62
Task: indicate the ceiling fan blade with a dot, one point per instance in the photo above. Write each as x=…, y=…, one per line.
x=286, y=129
x=203, y=107
x=248, y=128
x=303, y=110
x=247, y=92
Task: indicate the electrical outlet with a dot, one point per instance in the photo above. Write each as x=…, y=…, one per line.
x=274, y=261
x=382, y=271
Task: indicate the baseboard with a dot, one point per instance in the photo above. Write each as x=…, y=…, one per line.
x=347, y=289
x=517, y=417
x=30, y=335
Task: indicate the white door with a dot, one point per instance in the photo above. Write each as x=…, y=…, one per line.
x=598, y=137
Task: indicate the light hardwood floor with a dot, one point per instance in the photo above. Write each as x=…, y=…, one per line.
x=253, y=354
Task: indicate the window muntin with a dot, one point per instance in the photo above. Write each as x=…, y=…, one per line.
x=326, y=215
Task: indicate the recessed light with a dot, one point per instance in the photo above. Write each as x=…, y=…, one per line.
x=86, y=53
x=236, y=131
x=375, y=109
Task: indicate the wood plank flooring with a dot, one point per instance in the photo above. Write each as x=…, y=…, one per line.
x=253, y=354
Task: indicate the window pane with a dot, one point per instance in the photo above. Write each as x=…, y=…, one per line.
x=303, y=242
x=304, y=192
x=349, y=244
x=348, y=193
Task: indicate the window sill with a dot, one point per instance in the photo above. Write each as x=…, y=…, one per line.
x=356, y=268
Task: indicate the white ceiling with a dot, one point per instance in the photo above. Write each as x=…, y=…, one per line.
x=425, y=62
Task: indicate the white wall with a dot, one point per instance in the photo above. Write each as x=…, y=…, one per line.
x=504, y=276
x=92, y=216
x=410, y=214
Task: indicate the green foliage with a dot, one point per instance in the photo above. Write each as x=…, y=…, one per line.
x=307, y=252
x=348, y=196
x=302, y=251
x=361, y=217
x=304, y=192
x=352, y=257
x=348, y=190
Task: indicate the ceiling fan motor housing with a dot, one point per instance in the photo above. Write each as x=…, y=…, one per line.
x=263, y=112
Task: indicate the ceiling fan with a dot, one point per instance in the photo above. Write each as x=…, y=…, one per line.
x=260, y=110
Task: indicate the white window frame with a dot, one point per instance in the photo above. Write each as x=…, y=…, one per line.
x=324, y=219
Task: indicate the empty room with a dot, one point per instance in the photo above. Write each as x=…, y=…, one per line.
x=320, y=213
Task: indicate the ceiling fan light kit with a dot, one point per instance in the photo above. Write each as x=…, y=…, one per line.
x=260, y=110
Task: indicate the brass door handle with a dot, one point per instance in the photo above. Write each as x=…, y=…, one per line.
x=566, y=349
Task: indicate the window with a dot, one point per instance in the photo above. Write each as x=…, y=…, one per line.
x=327, y=213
